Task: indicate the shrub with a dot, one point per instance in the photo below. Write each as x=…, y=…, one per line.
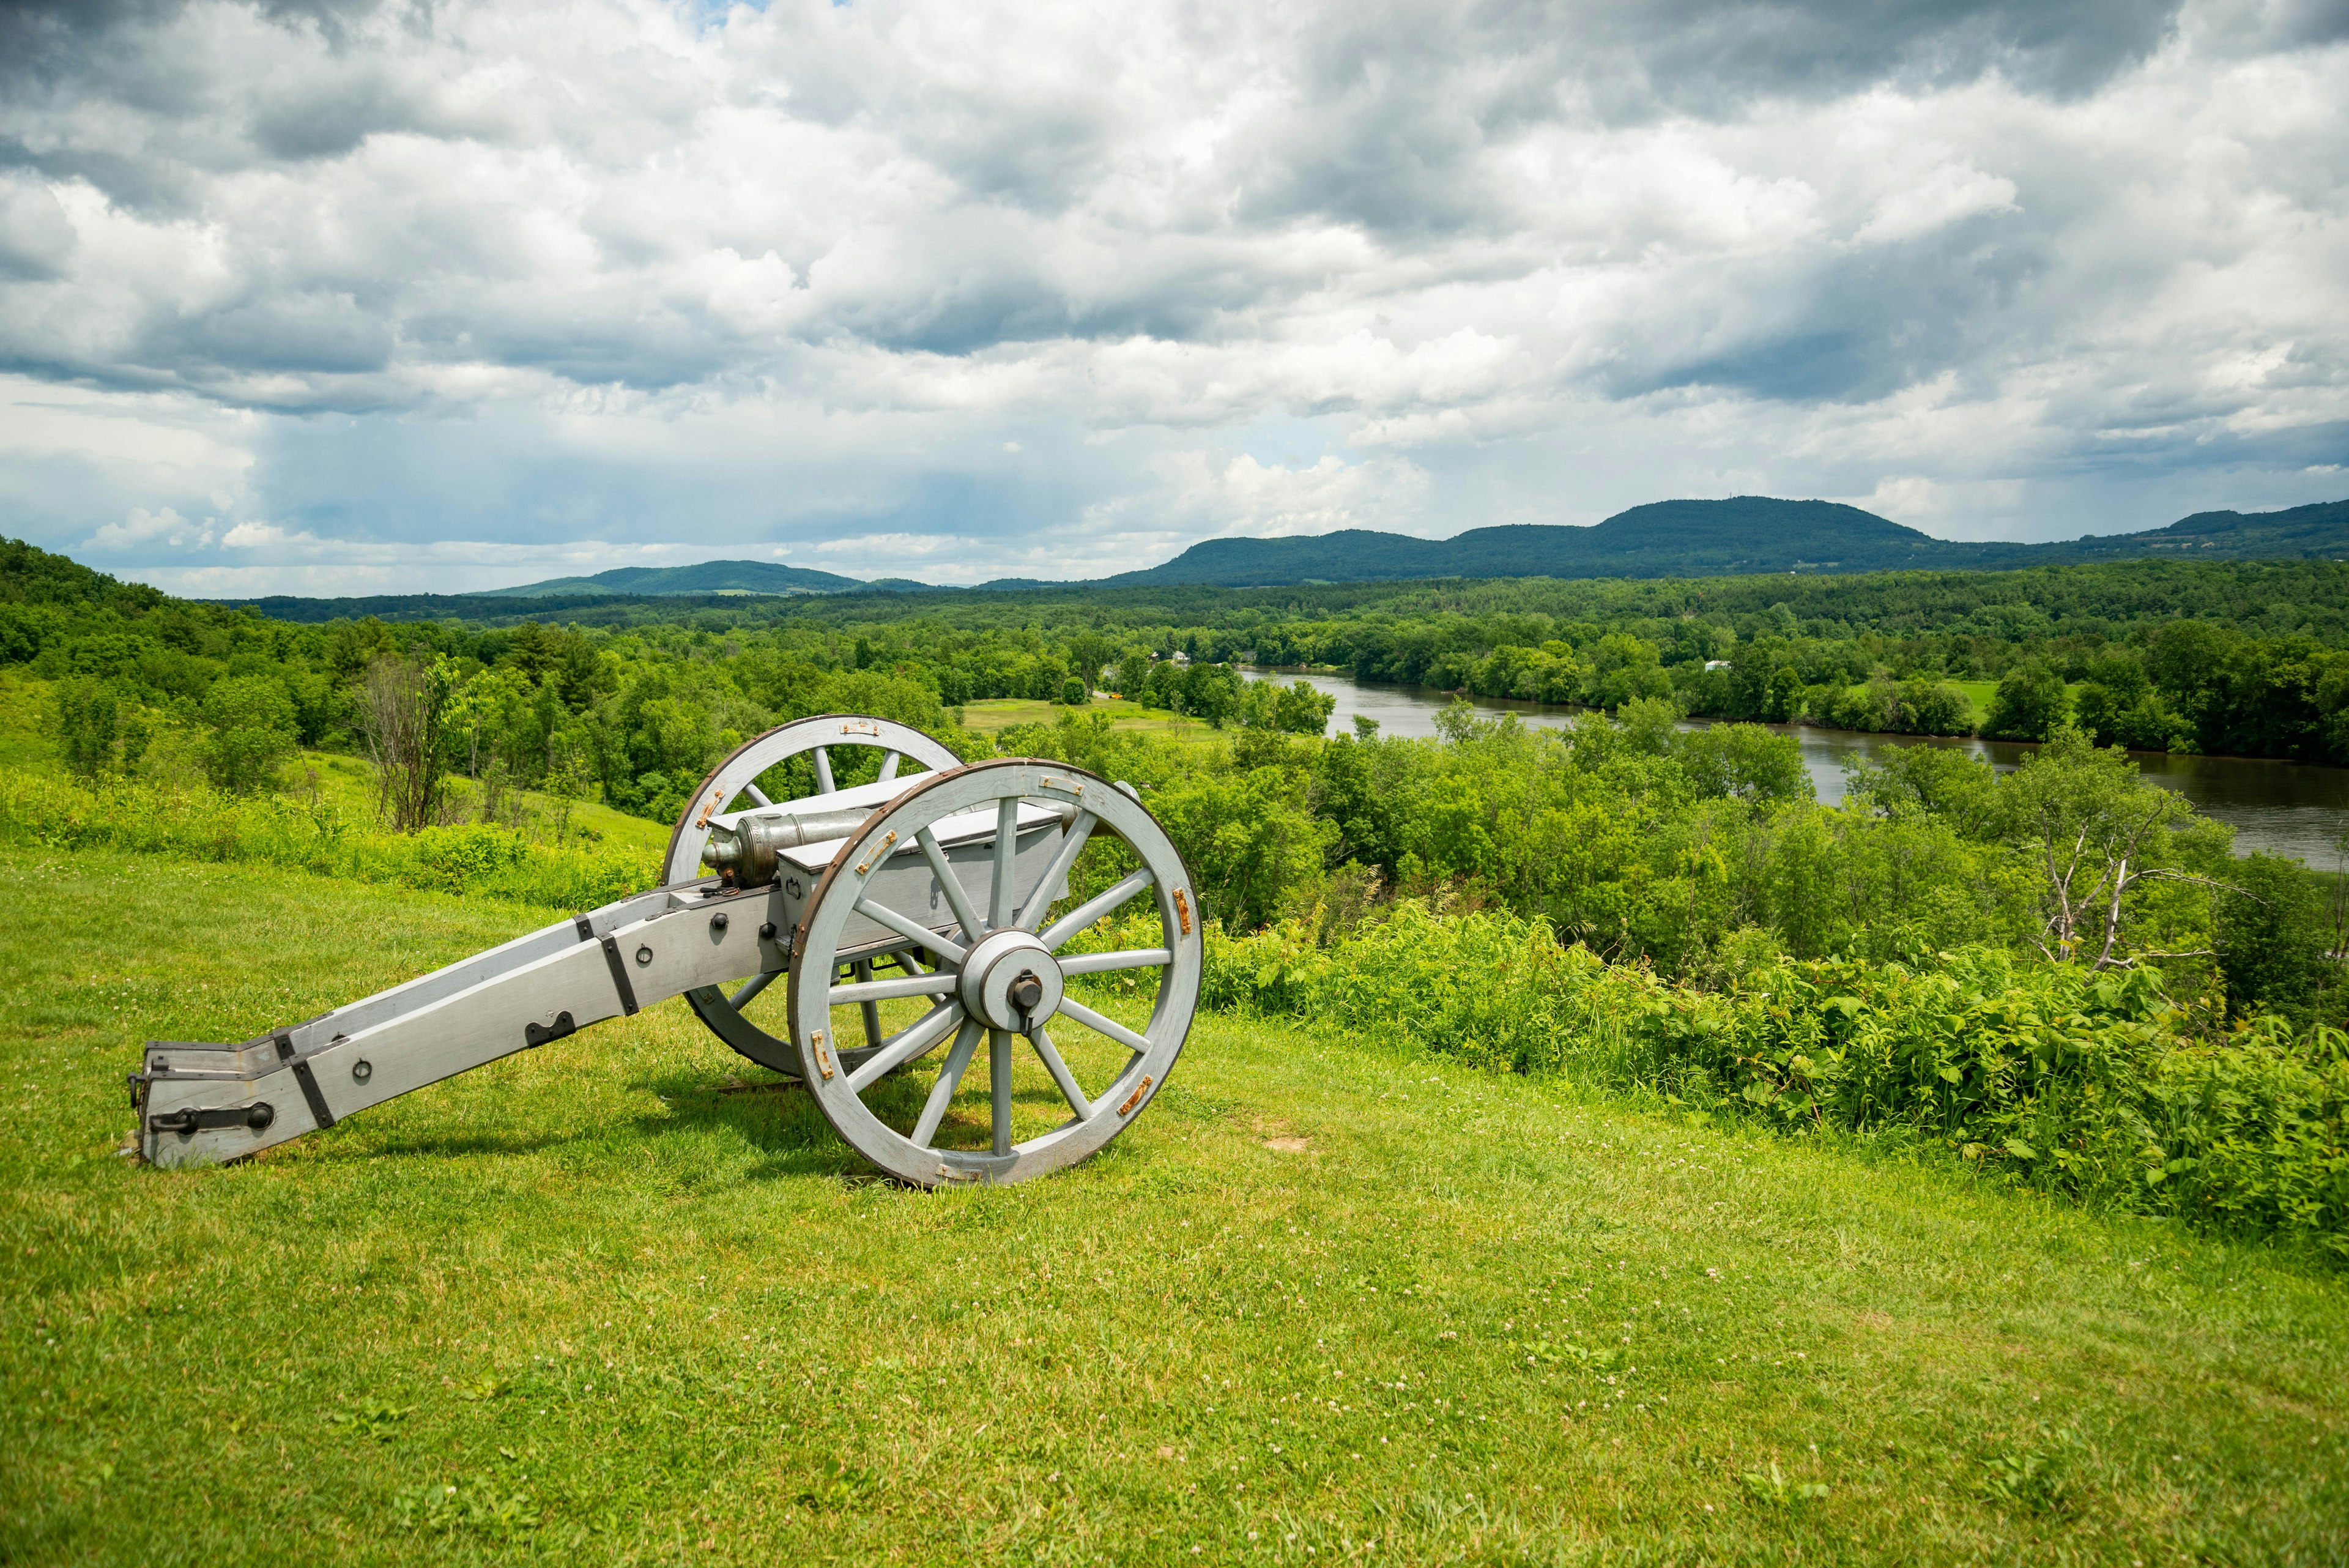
x=249, y=720
x=2094, y=1085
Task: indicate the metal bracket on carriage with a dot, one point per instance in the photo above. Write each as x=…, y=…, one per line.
x=201, y=1104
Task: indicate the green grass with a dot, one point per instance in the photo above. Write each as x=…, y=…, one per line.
x=1328, y=1301
x=1978, y=694
x=347, y=783
x=992, y=717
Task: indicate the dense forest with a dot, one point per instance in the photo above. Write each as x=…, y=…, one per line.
x=2244, y=658
x=1629, y=835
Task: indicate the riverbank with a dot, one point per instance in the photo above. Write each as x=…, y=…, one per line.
x=2298, y=809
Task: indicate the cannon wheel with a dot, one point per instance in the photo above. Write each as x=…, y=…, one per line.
x=1000, y=977
x=733, y=785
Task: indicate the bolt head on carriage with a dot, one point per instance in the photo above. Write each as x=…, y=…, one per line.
x=930, y=888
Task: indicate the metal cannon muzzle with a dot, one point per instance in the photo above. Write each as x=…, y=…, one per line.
x=747, y=854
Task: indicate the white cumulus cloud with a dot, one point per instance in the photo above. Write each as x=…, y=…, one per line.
x=438, y=296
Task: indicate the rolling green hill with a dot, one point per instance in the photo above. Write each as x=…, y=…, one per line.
x=701, y=577
x=1742, y=536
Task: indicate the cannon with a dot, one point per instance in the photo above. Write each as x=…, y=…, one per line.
x=936, y=889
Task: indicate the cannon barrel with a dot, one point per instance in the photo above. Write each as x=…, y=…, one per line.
x=745, y=854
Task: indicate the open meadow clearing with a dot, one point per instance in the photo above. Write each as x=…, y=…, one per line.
x=625, y=1299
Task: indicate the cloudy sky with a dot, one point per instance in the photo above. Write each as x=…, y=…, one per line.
x=334, y=296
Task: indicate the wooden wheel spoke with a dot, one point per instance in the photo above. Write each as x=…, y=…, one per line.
x=757, y=796
x=972, y=932
x=1006, y=850
x=1061, y=1074
x=907, y=1043
x=957, y=898
x=752, y=987
x=1094, y=908
x=863, y=971
x=1071, y=844
x=906, y=926
x=942, y=1093
x=1110, y=963
x=920, y=982
x=1108, y=1028
x=889, y=766
x=823, y=784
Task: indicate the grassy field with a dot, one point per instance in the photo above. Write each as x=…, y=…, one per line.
x=998, y=714
x=627, y=1300
x=1979, y=695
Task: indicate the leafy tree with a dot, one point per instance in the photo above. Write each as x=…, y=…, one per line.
x=2274, y=939
x=1211, y=692
x=251, y=728
x=1133, y=674
x=1745, y=760
x=1345, y=793
x=1302, y=708
x=2100, y=839
x=1649, y=725
x=1624, y=668
x=98, y=729
x=1088, y=651
x=1926, y=781
x=1254, y=850
x=2030, y=705
x=1930, y=708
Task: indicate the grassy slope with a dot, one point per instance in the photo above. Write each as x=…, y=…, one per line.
x=650, y=1312
x=997, y=715
x=348, y=783
x=344, y=782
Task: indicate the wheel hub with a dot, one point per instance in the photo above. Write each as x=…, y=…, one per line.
x=1011, y=982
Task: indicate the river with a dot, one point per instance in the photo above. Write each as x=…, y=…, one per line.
x=2298, y=809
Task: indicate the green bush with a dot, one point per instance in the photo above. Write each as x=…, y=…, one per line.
x=2097, y=1086
x=250, y=728
x=2030, y=705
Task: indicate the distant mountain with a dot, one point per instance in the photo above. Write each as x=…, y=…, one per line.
x=2320, y=531
x=702, y=577
x=1747, y=534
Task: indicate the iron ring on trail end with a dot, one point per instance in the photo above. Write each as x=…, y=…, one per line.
x=993, y=844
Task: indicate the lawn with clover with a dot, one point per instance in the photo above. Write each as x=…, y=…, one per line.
x=625, y=1299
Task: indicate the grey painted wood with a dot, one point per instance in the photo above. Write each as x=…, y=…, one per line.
x=439, y=1032
x=1020, y=864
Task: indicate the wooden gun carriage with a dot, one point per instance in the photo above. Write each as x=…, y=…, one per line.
x=935, y=886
